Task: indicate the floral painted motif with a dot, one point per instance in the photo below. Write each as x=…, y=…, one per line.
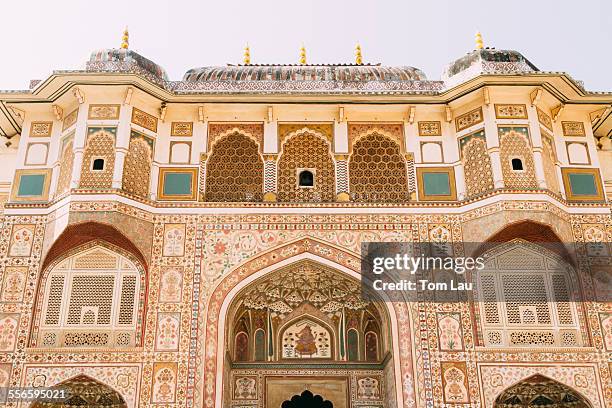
x=171, y=285
x=13, y=284
x=449, y=331
x=174, y=240
x=164, y=383
x=8, y=332
x=21, y=240
x=168, y=330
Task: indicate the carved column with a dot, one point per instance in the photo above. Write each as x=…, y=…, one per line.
x=270, y=183
x=410, y=174
x=123, y=144
x=342, y=181
x=492, y=139
x=80, y=134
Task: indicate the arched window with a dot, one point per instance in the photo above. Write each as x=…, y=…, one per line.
x=91, y=299
x=241, y=347
x=371, y=346
x=377, y=170
x=234, y=170
x=97, y=164
x=260, y=345
x=352, y=340
x=526, y=298
x=517, y=164
x=306, y=178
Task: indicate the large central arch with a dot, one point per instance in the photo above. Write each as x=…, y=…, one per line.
x=257, y=267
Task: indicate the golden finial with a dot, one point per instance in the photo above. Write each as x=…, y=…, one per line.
x=358, y=56
x=246, y=60
x=479, y=43
x=303, y=55
x=125, y=42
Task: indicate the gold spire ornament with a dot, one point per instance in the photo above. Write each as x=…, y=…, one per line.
x=303, y=55
x=479, y=43
x=125, y=42
x=358, y=56
x=246, y=59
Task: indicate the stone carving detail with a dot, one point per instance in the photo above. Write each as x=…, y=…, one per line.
x=549, y=158
x=306, y=150
x=514, y=143
x=510, y=111
x=573, y=128
x=137, y=169
x=216, y=131
x=65, y=170
x=476, y=164
x=544, y=119
x=181, y=129
x=234, y=170
x=144, y=119
x=104, y=111
x=377, y=170
x=41, y=129
x=430, y=128
x=100, y=145
x=469, y=119
x=70, y=119
x=8, y=332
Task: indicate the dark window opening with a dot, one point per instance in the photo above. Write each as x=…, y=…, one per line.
x=98, y=164
x=517, y=164
x=306, y=178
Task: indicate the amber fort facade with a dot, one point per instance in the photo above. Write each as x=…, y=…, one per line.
x=196, y=243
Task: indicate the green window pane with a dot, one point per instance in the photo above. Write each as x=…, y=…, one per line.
x=436, y=184
x=582, y=184
x=31, y=185
x=177, y=184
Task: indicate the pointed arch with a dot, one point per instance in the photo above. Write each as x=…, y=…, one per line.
x=235, y=168
x=83, y=390
x=377, y=168
x=530, y=231
x=90, y=237
x=306, y=149
x=539, y=390
x=263, y=263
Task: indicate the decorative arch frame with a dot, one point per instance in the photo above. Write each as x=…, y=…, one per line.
x=236, y=130
x=212, y=142
x=302, y=131
x=53, y=259
x=35, y=404
x=380, y=131
x=501, y=247
x=584, y=398
x=227, y=288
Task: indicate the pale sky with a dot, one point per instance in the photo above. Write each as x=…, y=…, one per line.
x=574, y=36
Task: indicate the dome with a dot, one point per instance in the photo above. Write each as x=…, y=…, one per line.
x=125, y=60
x=323, y=72
x=487, y=61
